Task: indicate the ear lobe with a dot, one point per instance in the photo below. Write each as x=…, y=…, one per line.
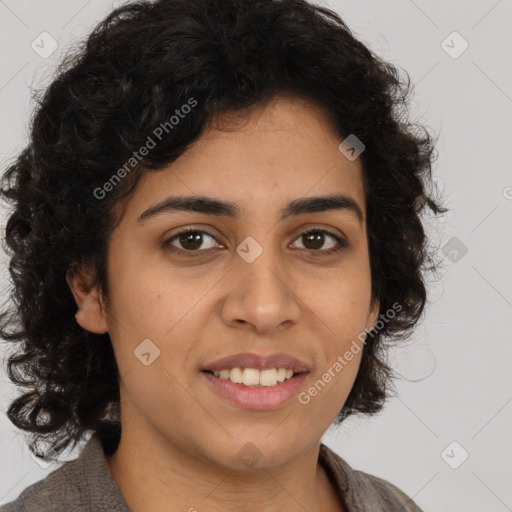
x=373, y=316
x=91, y=314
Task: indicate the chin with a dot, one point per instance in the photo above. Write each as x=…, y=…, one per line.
x=257, y=450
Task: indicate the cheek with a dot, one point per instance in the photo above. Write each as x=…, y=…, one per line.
x=142, y=298
x=327, y=392
x=339, y=306
x=152, y=312
x=340, y=299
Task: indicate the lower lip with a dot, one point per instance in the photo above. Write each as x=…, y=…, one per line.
x=263, y=398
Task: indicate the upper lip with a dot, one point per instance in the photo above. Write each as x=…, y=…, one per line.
x=250, y=360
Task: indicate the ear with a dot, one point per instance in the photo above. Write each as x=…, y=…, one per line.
x=91, y=313
x=373, y=315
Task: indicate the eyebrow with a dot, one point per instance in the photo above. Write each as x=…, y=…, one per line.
x=212, y=206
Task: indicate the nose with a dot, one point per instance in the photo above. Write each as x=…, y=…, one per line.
x=261, y=295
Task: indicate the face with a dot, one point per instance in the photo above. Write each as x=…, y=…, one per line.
x=254, y=282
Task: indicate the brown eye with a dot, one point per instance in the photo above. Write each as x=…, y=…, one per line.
x=189, y=240
x=314, y=239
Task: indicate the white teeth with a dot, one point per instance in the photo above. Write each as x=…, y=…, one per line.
x=235, y=375
x=251, y=377
x=268, y=377
x=223, y=374
x=255, y=377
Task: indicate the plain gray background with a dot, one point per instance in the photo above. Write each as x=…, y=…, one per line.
x=445, y=440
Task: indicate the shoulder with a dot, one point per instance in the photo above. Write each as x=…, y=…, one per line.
x=58, y=487
x=80, y=485
x=362, y=491
x=390, y=494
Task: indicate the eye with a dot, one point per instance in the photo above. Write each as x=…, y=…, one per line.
x=191, y=240
x=315, y=239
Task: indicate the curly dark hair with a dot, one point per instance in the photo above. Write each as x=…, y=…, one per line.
x=140, y=64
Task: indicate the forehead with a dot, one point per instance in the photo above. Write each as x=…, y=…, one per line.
x=262, y=157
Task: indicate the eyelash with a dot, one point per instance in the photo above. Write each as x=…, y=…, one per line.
x=315, y=253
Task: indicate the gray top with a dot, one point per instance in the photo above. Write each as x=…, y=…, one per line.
x=85, y=484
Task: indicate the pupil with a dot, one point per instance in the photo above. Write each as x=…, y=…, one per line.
x=315, y=237
x=191, y=238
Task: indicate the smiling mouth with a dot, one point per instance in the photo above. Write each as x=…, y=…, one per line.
x=253, y=377
x=248, y=394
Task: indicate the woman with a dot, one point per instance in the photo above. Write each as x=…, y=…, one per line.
x=215, y=225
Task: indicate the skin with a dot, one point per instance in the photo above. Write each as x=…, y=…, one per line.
x=180, y=440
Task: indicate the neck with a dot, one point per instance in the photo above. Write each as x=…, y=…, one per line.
x=157, y=476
